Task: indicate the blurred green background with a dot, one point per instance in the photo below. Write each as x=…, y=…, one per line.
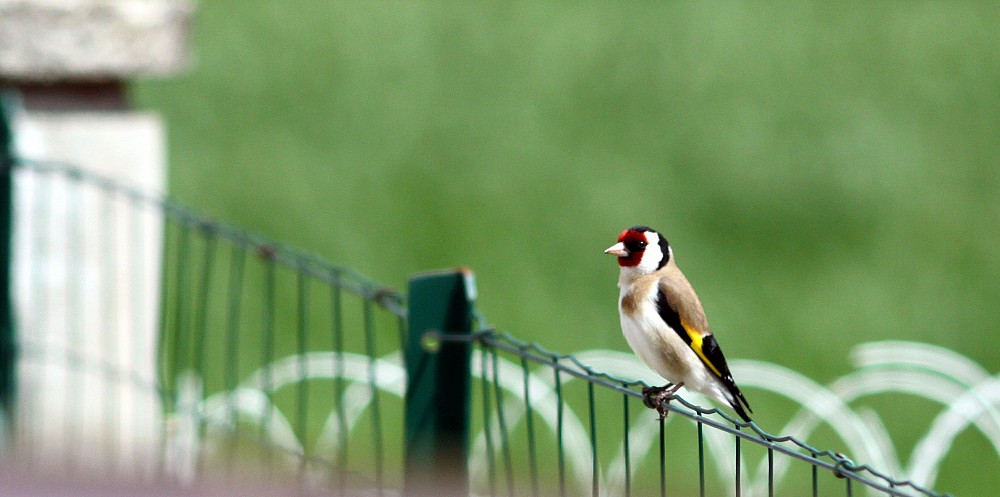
x=828, y=174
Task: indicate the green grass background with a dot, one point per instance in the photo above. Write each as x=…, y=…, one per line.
x=828, y=174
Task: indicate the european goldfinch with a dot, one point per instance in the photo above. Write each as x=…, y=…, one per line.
x=664, y=323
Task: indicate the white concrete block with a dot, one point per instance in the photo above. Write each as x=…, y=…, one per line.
x=87, y=294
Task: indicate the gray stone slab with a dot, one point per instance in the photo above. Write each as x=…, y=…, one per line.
x=93, y=40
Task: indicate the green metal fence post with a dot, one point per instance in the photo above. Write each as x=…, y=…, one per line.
x=8, y=346
x=438, y=383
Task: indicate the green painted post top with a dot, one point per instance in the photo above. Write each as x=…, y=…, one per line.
x=438, y=382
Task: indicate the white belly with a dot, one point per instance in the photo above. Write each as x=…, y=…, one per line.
x=663, y=350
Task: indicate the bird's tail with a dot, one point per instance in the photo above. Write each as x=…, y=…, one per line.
x=738, y=402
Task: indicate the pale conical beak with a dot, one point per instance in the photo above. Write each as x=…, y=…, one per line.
x=617, y=249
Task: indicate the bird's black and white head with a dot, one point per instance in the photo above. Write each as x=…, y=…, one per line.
x=641, y=249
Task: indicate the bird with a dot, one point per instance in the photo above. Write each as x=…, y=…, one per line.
x=665, y=325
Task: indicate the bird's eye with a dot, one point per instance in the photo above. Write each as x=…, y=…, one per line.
x=635, y=245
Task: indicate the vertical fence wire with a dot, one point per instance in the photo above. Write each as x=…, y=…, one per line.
x=237, y=262
x=739, y=465
x=138, y=246
x=663, y=457
x=302, y=347
x=38, y=188
x=701, y=456
x=75, y=313
x=166, y=358
x=267, y=350
x=41, y=338
x=339, y=383
x=376, y=415
x=815, y=478
x=181, y=272
x=626, y=457
x=491, y=465
x=529, y=425
x=199, y=331
x=110, y=392
x=508, y=463
x=560, y=420
x=770, y=472
x=595, y=465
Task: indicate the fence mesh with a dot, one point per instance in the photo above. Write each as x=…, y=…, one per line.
x=266, y=345
x=159, y=342
x=552, y=430
x=255, y=356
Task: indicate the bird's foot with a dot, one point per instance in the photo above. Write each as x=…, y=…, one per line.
x=658, y=397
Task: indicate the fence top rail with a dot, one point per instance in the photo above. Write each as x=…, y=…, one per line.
x=265, y=248
x=838, y=464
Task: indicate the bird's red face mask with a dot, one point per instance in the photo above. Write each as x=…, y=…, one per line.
x=630, y=247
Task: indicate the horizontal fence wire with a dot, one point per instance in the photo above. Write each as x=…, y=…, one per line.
x=270, y=361
x=313, y=265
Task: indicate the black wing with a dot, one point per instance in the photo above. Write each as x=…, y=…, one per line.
x=706, y=348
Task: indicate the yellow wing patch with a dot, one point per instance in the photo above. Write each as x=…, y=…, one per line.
x=696, y=346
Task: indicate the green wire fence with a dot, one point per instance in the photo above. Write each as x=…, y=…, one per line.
x=270, y=362
x=261, y=350
x=275, y=346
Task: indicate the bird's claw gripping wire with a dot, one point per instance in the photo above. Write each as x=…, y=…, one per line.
x=658, y=397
